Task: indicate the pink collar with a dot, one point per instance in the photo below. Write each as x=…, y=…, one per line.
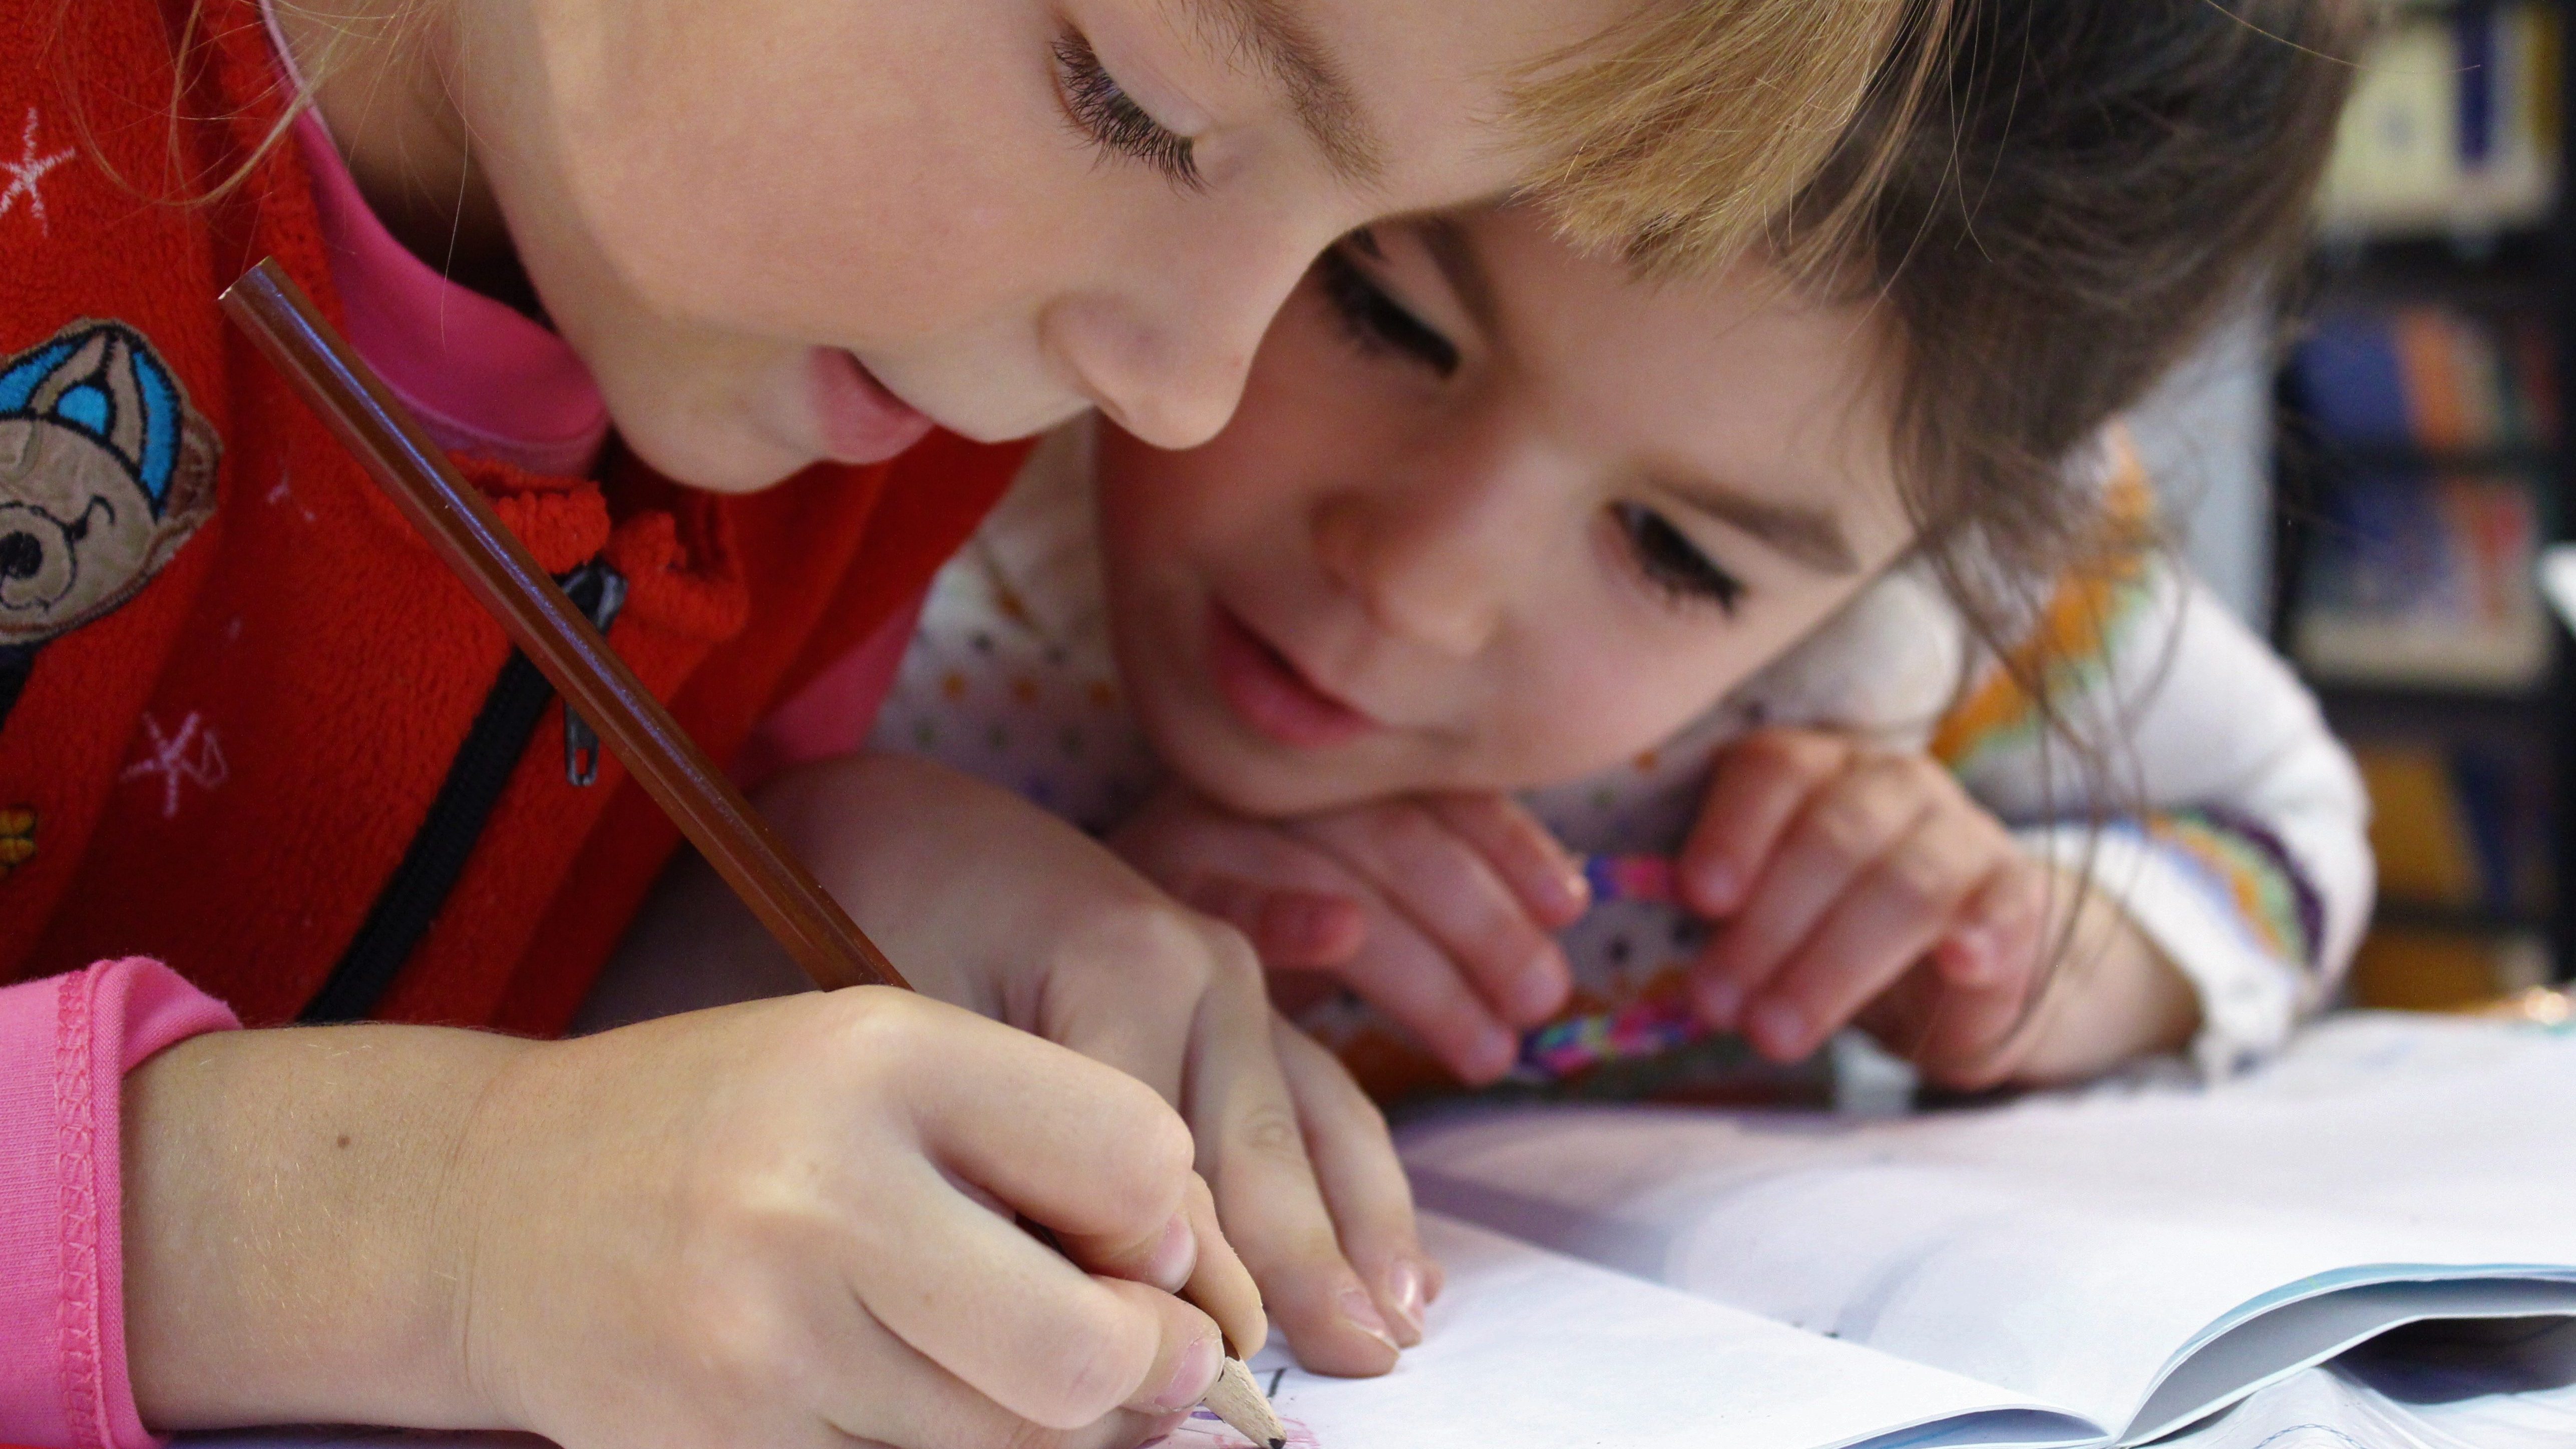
x=484, y=379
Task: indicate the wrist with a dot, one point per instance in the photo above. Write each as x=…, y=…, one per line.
x=301, y=1219
x=2113, y=996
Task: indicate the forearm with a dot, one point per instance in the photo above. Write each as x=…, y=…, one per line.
x=296, y=1236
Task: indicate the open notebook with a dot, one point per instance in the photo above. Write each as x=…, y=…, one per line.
x=2089, y=1269
x=2098, y=1268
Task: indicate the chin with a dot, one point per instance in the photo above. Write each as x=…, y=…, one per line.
x=1259, y=786
x=715, y=458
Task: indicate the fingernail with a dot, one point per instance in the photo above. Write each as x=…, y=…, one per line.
x=1361, y=1310
x=1543, y=987
x=1973, y=951
x=1176, y=1256
x=1573, y=889
x=1494, y=1053
x=1719, y=1001
x=1193, y=1378
x=1778, y=1030
x=1404, y=1287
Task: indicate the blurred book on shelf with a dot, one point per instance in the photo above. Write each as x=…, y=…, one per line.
x=2433, y=379
x=2424, y=582
x=2431, y=968
x=2452, y=127
x=2461, y=840
x=2455, y=829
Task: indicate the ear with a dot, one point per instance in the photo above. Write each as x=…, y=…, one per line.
x=70, y=391
x=191, y=499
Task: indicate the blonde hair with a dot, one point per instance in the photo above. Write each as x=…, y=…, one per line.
x=1683, y=136
x=1678, y=138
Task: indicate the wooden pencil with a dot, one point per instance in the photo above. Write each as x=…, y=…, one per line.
x=375, y=426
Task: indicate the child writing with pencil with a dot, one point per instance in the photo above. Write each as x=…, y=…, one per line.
x=1831, y=582
x=677, y=282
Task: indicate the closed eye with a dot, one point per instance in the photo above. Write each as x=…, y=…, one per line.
x=1377, y=322
x=1667, y=559
x=1106, y=115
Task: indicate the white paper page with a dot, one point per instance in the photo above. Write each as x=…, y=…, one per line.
x=1529, y=1350
x=2065, y=1247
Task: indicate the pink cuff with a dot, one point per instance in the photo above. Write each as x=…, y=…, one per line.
x=66, y=1043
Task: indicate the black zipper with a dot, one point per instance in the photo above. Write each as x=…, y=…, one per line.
x=17, y=661
x=419, y=887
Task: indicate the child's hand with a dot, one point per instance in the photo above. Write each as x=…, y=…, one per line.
x=1440, y=911
x=784, y=1223
x=1838, y=873
x=1861, y=886
x=985, y=900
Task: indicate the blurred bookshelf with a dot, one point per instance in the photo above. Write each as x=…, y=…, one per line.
x=2421, y=464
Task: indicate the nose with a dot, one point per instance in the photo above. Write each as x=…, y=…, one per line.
x=21, y=554
x=1164, y=352
x=1439, y=555
x=37, y=563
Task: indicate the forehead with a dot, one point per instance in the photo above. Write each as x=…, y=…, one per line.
x=1432, y=79
x=1738, y=376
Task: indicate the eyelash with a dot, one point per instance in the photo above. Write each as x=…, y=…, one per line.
x=1113, y=121
x=1672, y=563
x=1376, y=321
x=1664, y=555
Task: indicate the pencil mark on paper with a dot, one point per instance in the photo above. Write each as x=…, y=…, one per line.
x=1204, y=1430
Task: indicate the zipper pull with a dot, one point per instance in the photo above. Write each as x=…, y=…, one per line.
x=599, y=591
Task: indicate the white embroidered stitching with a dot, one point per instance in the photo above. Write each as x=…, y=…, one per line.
x=284, y=492
x=171, y=761
x=26, y=175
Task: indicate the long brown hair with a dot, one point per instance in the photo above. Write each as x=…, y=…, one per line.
x=2090, y=185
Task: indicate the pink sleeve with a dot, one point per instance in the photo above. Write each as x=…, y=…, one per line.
x=66, y=1043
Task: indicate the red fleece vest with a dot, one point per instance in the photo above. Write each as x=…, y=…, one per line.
x=239, y=679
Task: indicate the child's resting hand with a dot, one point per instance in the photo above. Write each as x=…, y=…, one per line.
x=1439, y=910
x=789, y=1223
x=1854, y=884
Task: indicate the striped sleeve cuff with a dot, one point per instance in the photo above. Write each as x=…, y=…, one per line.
x=2225, y=906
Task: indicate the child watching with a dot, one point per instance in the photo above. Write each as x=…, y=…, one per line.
x=631, y=261
x=1496, y=516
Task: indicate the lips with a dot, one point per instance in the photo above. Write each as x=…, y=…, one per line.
x=1267, y=691
x=861, y=422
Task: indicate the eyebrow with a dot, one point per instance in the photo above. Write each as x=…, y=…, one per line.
x=1810, y=536
x=1278, y=40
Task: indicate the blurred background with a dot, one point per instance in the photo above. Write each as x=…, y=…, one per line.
x=2370, y=467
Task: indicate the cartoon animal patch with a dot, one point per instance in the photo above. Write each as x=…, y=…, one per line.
x=105, y=470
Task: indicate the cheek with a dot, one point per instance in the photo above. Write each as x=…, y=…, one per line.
x=852, y=194
x=1603, y=696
